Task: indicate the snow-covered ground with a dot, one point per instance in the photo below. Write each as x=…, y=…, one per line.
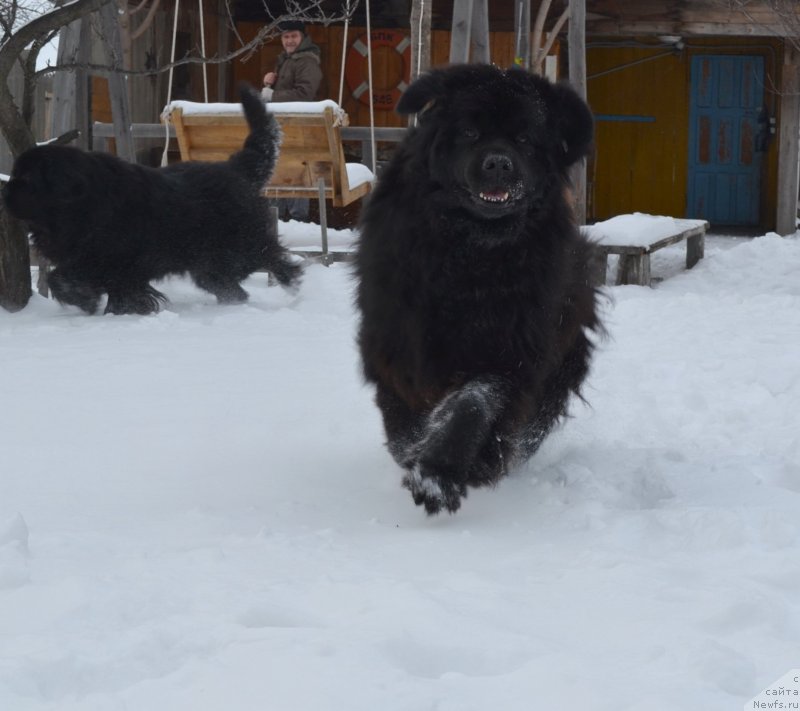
x=197, y=512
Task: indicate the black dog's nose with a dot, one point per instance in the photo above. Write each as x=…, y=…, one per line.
x=497, y=165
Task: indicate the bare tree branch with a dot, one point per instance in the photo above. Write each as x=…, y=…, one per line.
x=538, y=30
x=552, y=36
x=147, y=21
x=42, y=26
x=141, y=6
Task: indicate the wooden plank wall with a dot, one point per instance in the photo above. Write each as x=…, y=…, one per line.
x=641, y=159
x=387, y=64
x=691, y=17
x=149, y=94
x=645, y=146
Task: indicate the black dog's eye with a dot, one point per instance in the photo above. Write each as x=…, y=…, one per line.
x=522, y=138
x=471, y=133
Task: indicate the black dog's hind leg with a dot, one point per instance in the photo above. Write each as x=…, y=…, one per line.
x=68, y=288
x=278, y=263
x=128, y=299
x=459, y=446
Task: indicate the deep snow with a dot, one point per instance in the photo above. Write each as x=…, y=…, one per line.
x=197, y=512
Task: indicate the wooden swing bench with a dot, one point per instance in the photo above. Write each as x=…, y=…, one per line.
x=311, y=161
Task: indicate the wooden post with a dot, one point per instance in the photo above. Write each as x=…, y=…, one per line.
x=223, y=47
x=470, y=31
x=117, y=83
x=63, y=113
x=480, y=32
x=420, y=37
x=461, y=31
x=323, y=222
x=789, y=144
x=695, y=249
x=577, y=76
x=83, y=118
x=522, y=33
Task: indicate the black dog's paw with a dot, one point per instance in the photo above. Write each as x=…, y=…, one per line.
x=287, y=274
x=76, y=293
x=232, y=295
x=434, y=492
x=141, y=302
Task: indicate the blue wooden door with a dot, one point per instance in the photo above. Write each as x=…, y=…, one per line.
x=727, y=93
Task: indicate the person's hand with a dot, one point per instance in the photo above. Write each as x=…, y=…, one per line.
x=269, y=78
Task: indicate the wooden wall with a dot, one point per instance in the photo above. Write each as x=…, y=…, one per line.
x=641, y=158
x=644, y=142
x=387, y=64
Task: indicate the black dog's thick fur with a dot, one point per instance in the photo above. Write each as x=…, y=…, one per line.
x=112, y=227
x=474, y=279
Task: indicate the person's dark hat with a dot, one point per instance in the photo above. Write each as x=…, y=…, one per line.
x=292, y=26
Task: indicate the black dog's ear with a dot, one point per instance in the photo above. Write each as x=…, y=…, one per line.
x=421, y=95
x=574, y=121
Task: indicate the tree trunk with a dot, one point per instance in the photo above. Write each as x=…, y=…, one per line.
x=15, y=264
x=15, y=268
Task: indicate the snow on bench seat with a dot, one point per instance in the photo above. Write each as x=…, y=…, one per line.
x=636, y=236
x=194, y=108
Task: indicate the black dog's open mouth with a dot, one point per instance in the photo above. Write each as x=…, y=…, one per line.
x=494, y=201
x=495, y=197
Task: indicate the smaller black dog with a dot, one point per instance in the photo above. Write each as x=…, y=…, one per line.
x=111, y=227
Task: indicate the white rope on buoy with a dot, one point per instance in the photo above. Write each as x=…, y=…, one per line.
x=203, y=48
x=344, y=52
x=419, y=39
x=371, y=99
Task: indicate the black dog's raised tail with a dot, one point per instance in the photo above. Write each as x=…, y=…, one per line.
x=259, y=154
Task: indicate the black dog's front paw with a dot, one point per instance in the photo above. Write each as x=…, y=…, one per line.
x=434, y=492
x=140, y=301
x=74, y=292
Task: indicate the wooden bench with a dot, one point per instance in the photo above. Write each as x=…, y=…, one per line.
x=635, y=237
x=311, y=161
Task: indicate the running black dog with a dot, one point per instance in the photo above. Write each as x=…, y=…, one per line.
x=474, y=279
x=112, y=227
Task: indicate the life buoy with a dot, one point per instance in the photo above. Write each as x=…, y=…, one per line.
x=357, y=75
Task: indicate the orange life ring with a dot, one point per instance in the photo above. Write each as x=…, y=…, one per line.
x=356, y=71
